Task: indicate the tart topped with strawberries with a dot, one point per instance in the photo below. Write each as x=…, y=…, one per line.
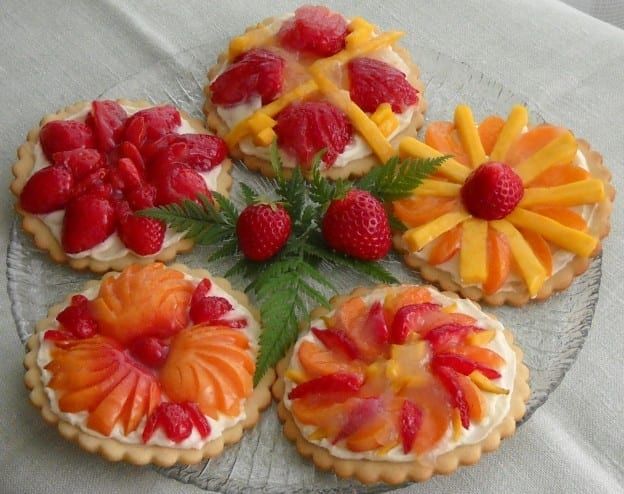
x=314, y=80
x=84, y=172
x=515, y=213
x=398, y=383
x=151, y=365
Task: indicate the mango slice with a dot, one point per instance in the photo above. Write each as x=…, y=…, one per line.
x=418, y=237
x=451, y=168
x=437, y=188
x=469, y=135
x=560, y=150
x=473, y=252
x=517, y=120
x=572, y=194
x=484, y=384
x=247, y=41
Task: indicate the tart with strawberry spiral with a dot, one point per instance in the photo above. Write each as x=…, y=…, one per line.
x=151, y=365
x=314, y=80
x=85, y=171
x=514, y=214
x=398, y=383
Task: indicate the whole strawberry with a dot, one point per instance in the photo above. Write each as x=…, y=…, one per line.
x=492, y=191
x=262, y=230
x=357, y=225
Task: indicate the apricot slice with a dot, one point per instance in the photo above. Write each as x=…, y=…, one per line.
x=562, y=215
x=351, y=317
x=110, y=409
x=498, y=261
x=418, y=210
x=318, y=361
x=444, y=137
x=560, y=175
x=436, y=415
x=446, y=246
x=489, y=130
x=484, y=356
x=477, y=406
x=540, y=248
x=410, y=295
x=530, y=142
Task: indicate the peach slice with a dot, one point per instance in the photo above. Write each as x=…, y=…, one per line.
x=436, y=415
x=418, y=210
x=477, y=406
x=560, y=175
x=110, y=409
x=498, y=261
x=530, y=142
x=489, y=130
x=446, y=246
x=562, y=215
x=318, y=361
x=482, y=355
x=540, y=247
x=444, y=137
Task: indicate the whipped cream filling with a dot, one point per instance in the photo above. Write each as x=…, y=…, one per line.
x=194, y=441
x=498, y=405
x=560, y=258
x=357, y=149
x=113, y=248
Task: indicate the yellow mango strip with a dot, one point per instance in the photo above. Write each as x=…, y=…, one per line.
x=385, y=119
x=357, y=37
x=317, y=434
x=265, y=137
x=516, y=121
x=451, y=168
x=473, y=251
x=361, y=23
x=572, y=194
x=530, y=266
x=245, y=42
x=481, y=338
x=567, y=238
x=457, y=425
x=260, y=121
x=437, y=188
x=484, y=384
x=469, y=135
x=557, y=152
x=295, y=376
x=449, y=309
x=381, y=41
x=384, y=450
x=420, y=236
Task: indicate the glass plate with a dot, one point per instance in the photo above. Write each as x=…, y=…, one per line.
x=550, y=333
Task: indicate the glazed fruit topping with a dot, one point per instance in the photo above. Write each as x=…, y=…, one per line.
x=463, y=365
x=314, y=29
x=65, y=135
x=47, y=190
x=177, y=421
x=492, y=191
x=449, y=379
x=108, y=123
x=256, y=72
x=77, y=318
x=340, y=384
x=304, y=129
x=89, y=220
x=411, y=420
x=145, y=236
x=366, y=410
x=448, y=335
x=409, y=318
x=156, y=122
x=338, y=341
x=81, y=162
x=262, y=230
x=373, y=82
x=357, y=225
x=149, y=351
x=376, y=324
x=178, y=183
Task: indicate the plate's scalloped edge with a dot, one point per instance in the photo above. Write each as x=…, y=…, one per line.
x=42, y=236
x=139, y=454
x=368, y=471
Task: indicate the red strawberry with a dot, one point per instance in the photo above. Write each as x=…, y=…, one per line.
x=158, y=121
x=142, y=197
x=411, y=421
x=492, y=191
x=373, y=82
x=47, y=190
x=65, y=135
x=149, y=351
x=89, y=220
x=130, y=151
x=256, y=72
x=365, y=411
x=177, y=420
x=376, y=326
x=305, y=128
x=358, y=226
x=204, y=151
x=209, y=309
x=177, y=183
x=144, y=236
x=448, y=335
x=407, y=319
x=135, y=132
x=95, y=179
x=162, y=161
x=337, y=340
x=129, y=174
x=262, y=230
x=449, y=379
x=341, y=383
x=314, y=29
x=81, y=162
x=77, y=318
x=108, y=123
x=464, y=365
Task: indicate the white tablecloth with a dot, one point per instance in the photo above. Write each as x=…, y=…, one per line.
x=568, y=64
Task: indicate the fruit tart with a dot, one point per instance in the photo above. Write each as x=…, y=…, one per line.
x=85, y=170
x=399, y=383
x=314, y=80
x=151, y=365
x=515, y=213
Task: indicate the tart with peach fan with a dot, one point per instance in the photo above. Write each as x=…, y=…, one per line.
x=314, y=80
x=515, y=213
x=151, y=365
x=398, y=383
x=85, y=171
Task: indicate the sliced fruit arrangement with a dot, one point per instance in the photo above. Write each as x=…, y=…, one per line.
x=87, y=169
x=401, y=374
x=150, y=356
x=512, y=208
x=313, y=81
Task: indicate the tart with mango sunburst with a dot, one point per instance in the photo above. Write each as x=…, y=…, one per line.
x=515, y=213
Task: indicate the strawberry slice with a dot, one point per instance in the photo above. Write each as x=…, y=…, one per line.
x=177, y=183
x=77, y=318
x=144, y=236
x=411, y=420
x=80, y=162
x=201, y=152
x=157, y=122
x=108, y=123
x=314, y=29
x=343, y=384
x=449, y=379
x=303, y=129
x=448, y=335
x=149, y=351
x=376, y=326
x=131, y=151
x=142, y=197
x=373, y=82
x=366, y=410
x=47, y=190
x=135, y=132
x=410, y=318
x=89, y=220
x=463, y=365
x=256, y=72
x=337, y=340
x=128, y=174
x=65, y=135
x=208, y=309
x=198, y=418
